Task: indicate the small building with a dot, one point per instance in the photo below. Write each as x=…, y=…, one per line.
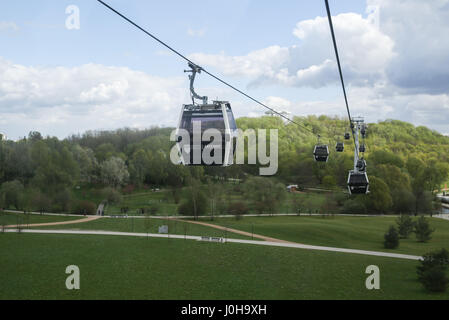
x=292, y=188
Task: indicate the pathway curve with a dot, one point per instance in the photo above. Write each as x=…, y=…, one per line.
x=248, y=234
x=54, y=223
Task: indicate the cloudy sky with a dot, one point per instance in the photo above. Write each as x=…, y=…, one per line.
x=108, y=75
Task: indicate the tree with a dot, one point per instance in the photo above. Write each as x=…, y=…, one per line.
x=405, y=225
x=114, y=172
x=112, y=195
x=404, y=201
x=423, y=230
x=12, y=193
x=432, y=271
x=379, y=199
x=238, y=209
x=391, y=238
x=87, y=163
x=86, y=207
x=64, y=200
x=139, y=166
x=195, y=202
x=264, y=193
x=329, y=182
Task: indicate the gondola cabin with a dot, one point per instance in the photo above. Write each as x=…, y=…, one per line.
x=362, y=148
x=358, y=183
x=199, y=122
x=321, y=153
x=340, y=147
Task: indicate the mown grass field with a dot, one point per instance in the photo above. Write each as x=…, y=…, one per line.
x=33, y=267
x=340, y=231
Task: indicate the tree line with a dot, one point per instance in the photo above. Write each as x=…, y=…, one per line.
x=406, y=164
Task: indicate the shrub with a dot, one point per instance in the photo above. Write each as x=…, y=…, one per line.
x=112, y=195
x=86, y=207
x=405, y=226
x=63, y=200
x=435, y=279
x=154, y=209
x=187, y=207
x=238, y=209
x=432, y=271
x=353, y=206
x=128, y=189
x=391, y=238
x=423, y=230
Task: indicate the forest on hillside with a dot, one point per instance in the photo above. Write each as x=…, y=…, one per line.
x=406, y=164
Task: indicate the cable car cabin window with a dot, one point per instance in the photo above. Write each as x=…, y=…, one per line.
x=232, y=124
x=208, y=121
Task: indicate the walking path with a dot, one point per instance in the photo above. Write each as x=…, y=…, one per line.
x=248, y=234
x=54, y=223
x=254, y=242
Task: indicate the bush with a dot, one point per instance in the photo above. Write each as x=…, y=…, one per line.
x=112, y=195
x=329, y=182
x=154, y=209
x=187, y=207
x=128, y=189
x=63, y=200
x=405, y=226
x=432, y=271
x=353, y=206
x=40, y=202
x=391, y=238
x=435, y=279
x=86, y=207
x=238, y=209
x=423, y=230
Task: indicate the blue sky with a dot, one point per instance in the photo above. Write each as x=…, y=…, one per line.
x=36, y=48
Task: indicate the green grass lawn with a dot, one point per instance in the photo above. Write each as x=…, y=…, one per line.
x=7, y=218
x=144, y=199
x=33, y=267
x=339, y=231
x=163, y=199
x=89, y=192
x=138, y=225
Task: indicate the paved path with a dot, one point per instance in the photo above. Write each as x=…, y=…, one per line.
x=248, y=234
x=444, y=216
x=253, y=242
x=54, y=223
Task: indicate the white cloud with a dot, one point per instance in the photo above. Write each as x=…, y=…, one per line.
x=196, y=32
x=365, y=51
x=8, y=26
x=62, y=100
x=419, y=29
x=394, y=61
